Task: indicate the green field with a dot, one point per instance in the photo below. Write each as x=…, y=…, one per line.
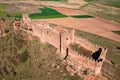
x=82, y=16
x=113, y=3
x=46, y=13
x=117, y=32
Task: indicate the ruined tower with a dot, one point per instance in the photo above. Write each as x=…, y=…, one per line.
x=66, y=38
x=99, y=64
x=26, y=21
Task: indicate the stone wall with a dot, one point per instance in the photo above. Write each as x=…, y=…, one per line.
x=80, y=63
x=87, y=44
x=61, y=38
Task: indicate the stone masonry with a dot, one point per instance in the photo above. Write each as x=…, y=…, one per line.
x=61, y=38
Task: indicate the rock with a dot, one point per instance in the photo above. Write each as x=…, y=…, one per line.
x=58, y=67
x=64, y=74
x=61, y=71
x=70, y=70
x=53, y=65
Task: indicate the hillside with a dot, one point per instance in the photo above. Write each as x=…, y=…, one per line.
x=22, y=58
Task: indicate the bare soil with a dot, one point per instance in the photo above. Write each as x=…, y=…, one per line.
x=69, y=12
x=96, y=26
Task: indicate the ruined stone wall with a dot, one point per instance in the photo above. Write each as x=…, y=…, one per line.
x=87, y=44
x=81, y=63
x=66, y=39
x=46, y=33
x=61, y=39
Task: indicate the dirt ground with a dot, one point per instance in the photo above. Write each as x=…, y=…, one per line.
x=69, y=12
x=96, y=26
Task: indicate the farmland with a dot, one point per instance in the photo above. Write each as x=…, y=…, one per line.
x=113, y=3
x=109, y=13
x=117, y=32
x=83, y=16
x=45, y=13
x=98, y=21
x=4, y=13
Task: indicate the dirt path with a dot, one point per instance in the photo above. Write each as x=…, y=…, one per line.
x=91, y=25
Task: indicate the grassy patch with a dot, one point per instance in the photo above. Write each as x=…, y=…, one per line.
x=81, y=50
x=52, y=25
x=4, y=13
x=42, y=64
x=12, y=50
x=52, y=0
x=46, y=13
x=48, y=0
x=113, y=3
x=7, y=14
x=3, y=5
x=29, y=59
x=82, y=16
x=102, y=11
x=117, y=32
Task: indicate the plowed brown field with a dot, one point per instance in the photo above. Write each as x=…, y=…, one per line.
x=96, y=26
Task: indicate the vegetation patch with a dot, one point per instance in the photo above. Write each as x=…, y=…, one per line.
x=21, y=58
x=52, y=25
x=117, y=32
x=12, y=50
x=113, y=3
x=81, y=50
x=3, y=5
x=42, y=64
x=48, y=0
x=102, y=11
x=82, y=16
x=4, y=13
x=7, y=14
x=45, y=13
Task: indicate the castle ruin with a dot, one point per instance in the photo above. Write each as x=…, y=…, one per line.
x=61, y=38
